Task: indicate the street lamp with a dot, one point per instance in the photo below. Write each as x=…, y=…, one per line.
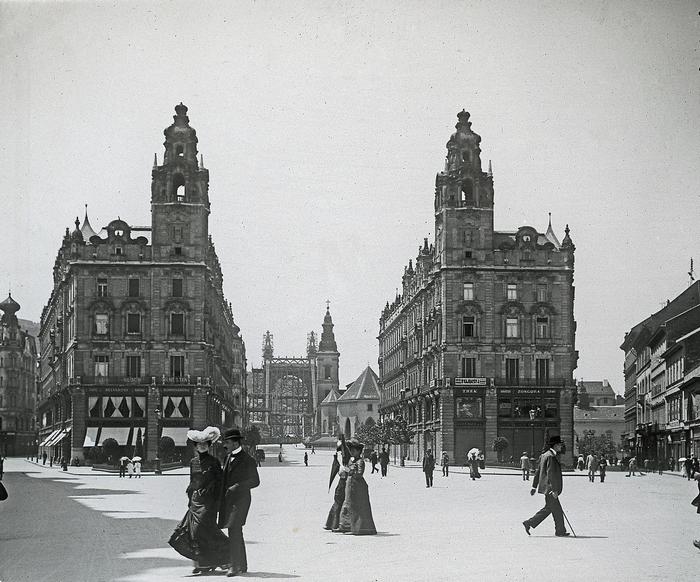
x=159, y=415
x=532, y=426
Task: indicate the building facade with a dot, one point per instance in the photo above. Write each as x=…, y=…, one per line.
x=662, y=368
x=286, y=393
x=480, y=342
x=137, y=340
x=346, y=411
x=18, y=361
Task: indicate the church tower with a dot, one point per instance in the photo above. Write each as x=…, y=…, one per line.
x=180, y=196
x=327, y=359
x=463, y=200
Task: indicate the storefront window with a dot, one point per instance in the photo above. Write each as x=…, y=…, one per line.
x=504, y=410
x=469, y=407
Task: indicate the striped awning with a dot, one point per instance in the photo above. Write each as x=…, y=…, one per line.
x=49, y=438
x=57, y=438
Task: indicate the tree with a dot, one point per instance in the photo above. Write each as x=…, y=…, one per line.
x=601, y=446
x=500, y=444
x=110, y=448
x=398, y=432
x=369, y=433
x=166, y=448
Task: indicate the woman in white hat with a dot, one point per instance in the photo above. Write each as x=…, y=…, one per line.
x=197, y=536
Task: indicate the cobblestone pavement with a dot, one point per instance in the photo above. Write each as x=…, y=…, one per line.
x=638, y=528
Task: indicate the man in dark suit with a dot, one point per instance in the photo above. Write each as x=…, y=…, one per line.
x=548, y=482
x=240, y=476
x=428, y=467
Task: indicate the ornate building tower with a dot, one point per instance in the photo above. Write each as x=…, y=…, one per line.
x=480, y=343
x=327, y=360
x=17, y=383
x=138, y=342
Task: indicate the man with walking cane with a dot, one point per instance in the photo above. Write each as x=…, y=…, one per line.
x=548, y=482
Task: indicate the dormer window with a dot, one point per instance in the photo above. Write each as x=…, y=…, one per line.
x=118, y=251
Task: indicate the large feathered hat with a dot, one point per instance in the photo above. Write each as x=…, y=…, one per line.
x=209, y=434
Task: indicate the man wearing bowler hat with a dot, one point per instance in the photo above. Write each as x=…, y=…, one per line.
x=548, y=482
x=240, y=476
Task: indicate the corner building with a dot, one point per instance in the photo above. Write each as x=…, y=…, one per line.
x=480, y=343
x=137, y=340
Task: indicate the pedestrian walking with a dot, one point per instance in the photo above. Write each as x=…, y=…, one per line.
x=2, y=467
x=428, y=467
x=374, y=459
x=695, y=467
x=356, y=512
x=306, y=458
x=197, y=536
x=525, y=466
x=137, y=467
x=580, y=464
x=696, y=503
x=240, y=476
x=602, y=468
x=384, y=461
x=632, y=466
x=313, y=450
x=474, y=465
x=43, y=458
x=445, y=463
x=122, y=467
x=340, y=459
x=130, y=468
x=548, y=482
x=592, y=466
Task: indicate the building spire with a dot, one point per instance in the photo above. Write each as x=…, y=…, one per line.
x=327, y=343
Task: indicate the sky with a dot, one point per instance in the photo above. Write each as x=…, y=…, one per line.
x=323, y=125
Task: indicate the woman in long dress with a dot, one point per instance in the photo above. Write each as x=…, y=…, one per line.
x=356, y=513
x=197, y=536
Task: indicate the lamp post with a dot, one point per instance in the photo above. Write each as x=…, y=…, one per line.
x=159, y=415
x=532, y=426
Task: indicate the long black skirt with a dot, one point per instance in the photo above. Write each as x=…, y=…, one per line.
x=197, y=536
x=356, y=513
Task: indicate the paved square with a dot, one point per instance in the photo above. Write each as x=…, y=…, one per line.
x=633, y=529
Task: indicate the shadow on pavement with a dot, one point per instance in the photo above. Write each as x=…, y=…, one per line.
x=270, y=575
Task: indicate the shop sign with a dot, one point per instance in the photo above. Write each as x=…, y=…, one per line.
x=469, y=392
x=470, y=381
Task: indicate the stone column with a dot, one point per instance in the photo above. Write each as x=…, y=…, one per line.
x=447, y=423
x=152, y=421
x=77, y=436
x=566, y=423
x=491, y=424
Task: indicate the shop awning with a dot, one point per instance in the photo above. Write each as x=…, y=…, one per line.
x=177, y=433
x=49, y=438
x=118, y=433
x=57, y=438
x=91, y=436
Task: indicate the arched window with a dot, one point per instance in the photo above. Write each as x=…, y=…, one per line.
x=467, y=195
x=179, y=188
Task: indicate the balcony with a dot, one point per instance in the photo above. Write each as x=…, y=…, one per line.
x=532, y=382
x=141, y=380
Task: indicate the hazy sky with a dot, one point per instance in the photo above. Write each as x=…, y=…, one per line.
x=323, y=124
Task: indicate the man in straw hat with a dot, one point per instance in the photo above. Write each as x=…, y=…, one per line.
x=548, y=482
x=240, y=476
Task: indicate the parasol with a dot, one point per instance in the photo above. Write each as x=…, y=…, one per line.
x=335, y=467
x=137, y=458
x=125, y=459
x=682, y=459
x=473, y=451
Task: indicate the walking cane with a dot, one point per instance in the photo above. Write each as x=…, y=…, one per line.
x=567, y=521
